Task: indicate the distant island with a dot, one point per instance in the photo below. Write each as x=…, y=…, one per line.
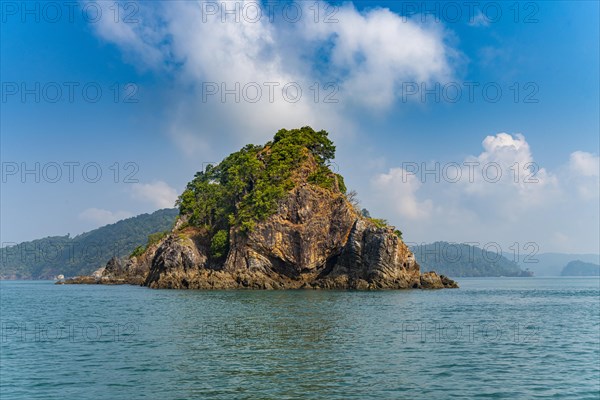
x=552, y=264
x=272, y=216
x=462, y=260
x=49, y=257
x=580, y=268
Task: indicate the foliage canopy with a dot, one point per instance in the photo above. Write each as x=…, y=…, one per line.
x=247, y=185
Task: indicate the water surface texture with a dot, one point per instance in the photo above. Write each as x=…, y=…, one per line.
x=513, y=338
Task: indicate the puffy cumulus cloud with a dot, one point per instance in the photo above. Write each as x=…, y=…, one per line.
x=158, y=193
x=583, y=174
x=240, y=78
x=585, y=164
x=504, y=141
x=375, y=52
x=101, y=217
x=506, y=170
x=501, y=195
x=401, y=186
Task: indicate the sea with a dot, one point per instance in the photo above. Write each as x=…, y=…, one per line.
x=494, y=338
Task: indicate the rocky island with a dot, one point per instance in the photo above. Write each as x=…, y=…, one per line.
x=272, y=217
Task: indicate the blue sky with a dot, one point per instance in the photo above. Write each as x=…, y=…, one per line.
x=154, y=60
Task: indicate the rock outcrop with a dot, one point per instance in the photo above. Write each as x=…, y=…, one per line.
x=315, y=240
x=119, y=271
x=273, y=217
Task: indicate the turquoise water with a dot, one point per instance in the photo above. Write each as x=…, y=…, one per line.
x=513, y=338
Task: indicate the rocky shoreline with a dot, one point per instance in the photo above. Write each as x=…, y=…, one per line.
x=218, y=280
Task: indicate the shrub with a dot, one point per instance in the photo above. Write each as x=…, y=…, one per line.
x=153, y=238
x=138, y=251
x=219, y=244
x=380, y=223
x=156, y=237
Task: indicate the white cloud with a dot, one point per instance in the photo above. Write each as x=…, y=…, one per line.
x=376, y=51
x=158, y=193
x=585, y=164
x=583, y=175
x=401, y=187
x=101, y=217
x=479, y=19
x=506, y=171
x=366, y=55
x=131, y=32
x=527, y=203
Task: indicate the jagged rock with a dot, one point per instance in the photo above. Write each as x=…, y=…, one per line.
x=98, y=273
x=310, y=227
x=176, y=261
x=83, y=280
x=291, y=226
x=314, y=240
x=114, y=266
x=376, y=256
x=448, y=283
x=431, y=280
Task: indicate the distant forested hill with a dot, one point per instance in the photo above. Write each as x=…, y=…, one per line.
x=461, y=260
x=552, y=264
x=82, y=254
x=580, y=268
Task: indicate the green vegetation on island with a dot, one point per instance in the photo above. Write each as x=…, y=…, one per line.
x=246, y=186
x=273, y=216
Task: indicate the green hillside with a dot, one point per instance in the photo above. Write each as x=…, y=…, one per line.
x=580, y=268
x=82, y=254
x=552, y=264
x=461, y=260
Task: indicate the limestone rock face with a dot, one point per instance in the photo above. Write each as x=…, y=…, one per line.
x=175, y=260
x=310, y=227
x=114, y=267
x=315, y=240
x=133, y=270
x=376, y=258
